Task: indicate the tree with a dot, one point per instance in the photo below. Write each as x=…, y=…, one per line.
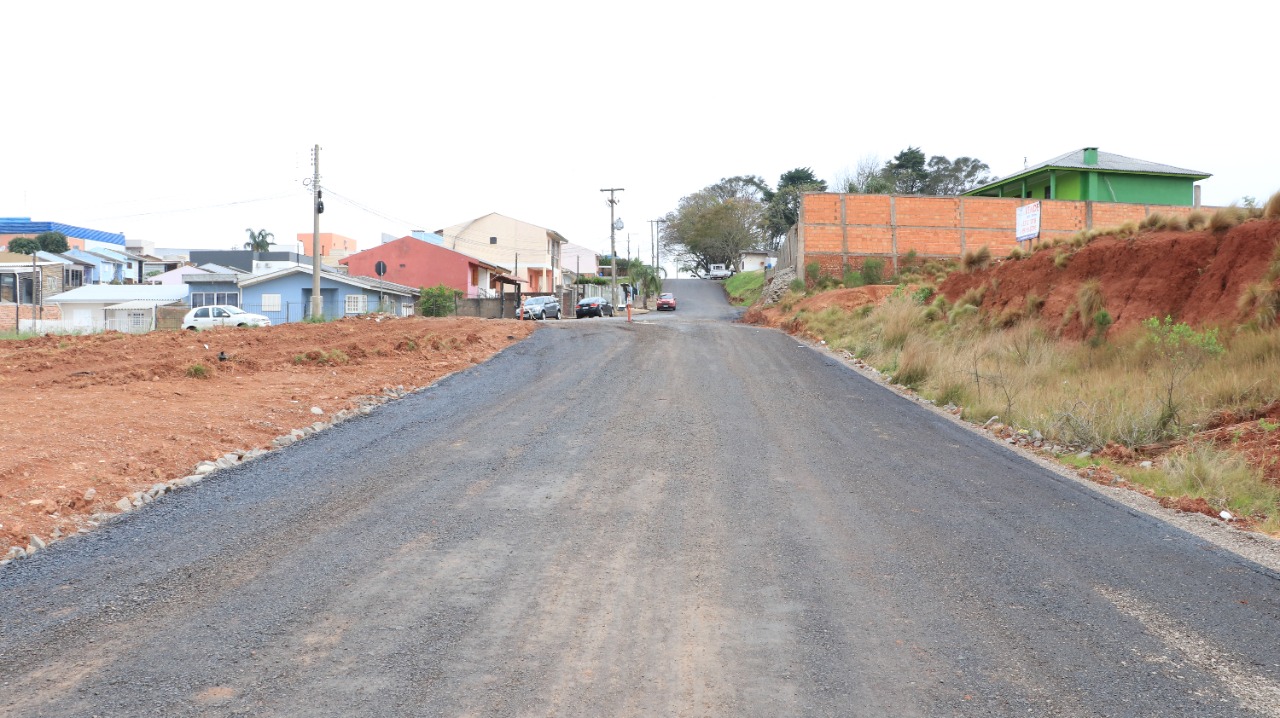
x=55, y=242
x=259, y=241
x=948, y=178
x=716, y=224
x=646, y=279
x=782, y=209
x=907, y=171
x=23, y=245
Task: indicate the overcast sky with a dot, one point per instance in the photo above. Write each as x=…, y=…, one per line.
x=184, y=124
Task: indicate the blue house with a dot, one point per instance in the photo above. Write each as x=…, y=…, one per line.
x=285, y=295
x=104, y=269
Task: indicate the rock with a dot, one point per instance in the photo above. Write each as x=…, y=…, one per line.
x=157, y=489
x=317, y=410
x=298, y=434
x=206, y=467
x=1083, y=455
x=1225, y=515
x=991, y=421
x=16, y=552
x=1146, y=464
x=283, y=441
x=1037, y=436
x=39, y=543
x=31, y=550
x=90, y=494
x=233, y=457
x=124, y=504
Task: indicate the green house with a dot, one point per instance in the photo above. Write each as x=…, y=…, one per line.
x=1088, y=174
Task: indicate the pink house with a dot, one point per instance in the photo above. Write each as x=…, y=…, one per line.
x=417, y=263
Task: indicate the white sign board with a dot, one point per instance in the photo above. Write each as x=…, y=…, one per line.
x=1028, y=222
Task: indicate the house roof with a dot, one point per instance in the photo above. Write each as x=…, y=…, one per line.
x=482, y=262
x=362, y=282
x=24, y=225
x=117, y=293
x=139, y=304
x=18, y=258
x=1107, y=162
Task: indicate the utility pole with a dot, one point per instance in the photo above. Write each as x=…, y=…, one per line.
x=613, y=246
x=657, y=242
x=317, y=302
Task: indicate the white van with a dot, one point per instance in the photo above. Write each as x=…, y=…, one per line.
x=718, y=271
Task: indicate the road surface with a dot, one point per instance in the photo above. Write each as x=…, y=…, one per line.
x=680, y=516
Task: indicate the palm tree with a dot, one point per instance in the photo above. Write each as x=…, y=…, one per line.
x=646, y=279
x=259, y=241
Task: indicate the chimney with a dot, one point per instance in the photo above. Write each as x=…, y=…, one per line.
x=1091, y=155
x=1195, y=195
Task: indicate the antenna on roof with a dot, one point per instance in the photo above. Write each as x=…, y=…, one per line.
x=1024, y=163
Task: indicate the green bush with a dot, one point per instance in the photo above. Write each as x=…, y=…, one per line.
x=198, y=371
x=438, y=301
x=872, y=271
x=797, y=285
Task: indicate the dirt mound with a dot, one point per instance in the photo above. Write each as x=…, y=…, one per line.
x=846, y=299
x=1195, y=277
x=120, y=412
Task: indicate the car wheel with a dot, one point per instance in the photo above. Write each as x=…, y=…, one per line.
x=194, y=329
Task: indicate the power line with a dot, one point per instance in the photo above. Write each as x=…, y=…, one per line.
x=192, y=209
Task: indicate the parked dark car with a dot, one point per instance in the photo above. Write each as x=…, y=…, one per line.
x=594, y=307
x=540, y=308
x=666, y=300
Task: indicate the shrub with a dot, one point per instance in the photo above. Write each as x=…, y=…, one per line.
x=1101, y=322
x=1035, y=303
x=1263, y=301
x=198, y=371
x=1197, y=220
x=1017, y=253
x=872, y=271
x=797, y=285
x=1183, y=350
x=1155, y=220
x=851, y=277
x=923, y=294
x=1060, y=259
x=974, y=260
x=812, y=271
x=1174, y=223
x=438, y=301
x=973, y=297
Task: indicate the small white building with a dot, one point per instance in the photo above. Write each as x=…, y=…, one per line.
x=114, y=307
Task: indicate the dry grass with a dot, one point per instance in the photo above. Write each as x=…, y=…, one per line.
x=1225, y=218
x=1272, y=208
x=975, y=260
x=1197, y=220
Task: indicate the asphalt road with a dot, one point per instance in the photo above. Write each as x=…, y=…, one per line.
x=680, y=516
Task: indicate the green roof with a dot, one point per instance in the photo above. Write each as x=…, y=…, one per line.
x=1107, y=162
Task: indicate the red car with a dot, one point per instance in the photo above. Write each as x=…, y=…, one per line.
x=666, y=300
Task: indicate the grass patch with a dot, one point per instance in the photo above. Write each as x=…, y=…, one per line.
x=322, y=357
x=199, y=371
x=744, y=287
x=975, y=260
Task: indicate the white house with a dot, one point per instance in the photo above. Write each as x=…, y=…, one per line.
x=533, y=252
x=118, y=307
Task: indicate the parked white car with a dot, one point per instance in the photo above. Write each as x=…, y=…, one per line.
x=222, y=315
x=719, y=271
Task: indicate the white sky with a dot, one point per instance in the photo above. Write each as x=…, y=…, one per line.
x=167, y=120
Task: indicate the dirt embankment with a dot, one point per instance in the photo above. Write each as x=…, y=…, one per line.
x=118, y=413
x=1194, y=277
x=846, y=299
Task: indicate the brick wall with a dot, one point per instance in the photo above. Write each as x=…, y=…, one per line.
x=51, y=312
x=843, y=229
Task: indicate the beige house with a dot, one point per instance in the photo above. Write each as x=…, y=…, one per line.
x=533, y=252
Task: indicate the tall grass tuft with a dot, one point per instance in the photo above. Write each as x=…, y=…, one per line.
x=1226, y=218
x=975, y=260
x=1174, y=223
x=916, y=363
x=1272, y=209
x=1197, y=220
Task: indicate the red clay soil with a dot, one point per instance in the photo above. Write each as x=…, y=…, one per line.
x=846, y=299
x=1195, y=277
x=118, y=413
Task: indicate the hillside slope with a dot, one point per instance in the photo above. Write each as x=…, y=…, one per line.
x=1196, y=277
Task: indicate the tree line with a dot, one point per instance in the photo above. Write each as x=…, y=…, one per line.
x=719, y=222
x=55, y=242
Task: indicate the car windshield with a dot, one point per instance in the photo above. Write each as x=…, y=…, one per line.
x=535, y=300
x=666, y=295
x=590, y=300
x=235, y=310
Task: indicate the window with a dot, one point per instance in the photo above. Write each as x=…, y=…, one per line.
x=220, y=313
x=357, y=304
x=271, y=302
x=202, y=313
x=204, y=299
x=493, y=240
